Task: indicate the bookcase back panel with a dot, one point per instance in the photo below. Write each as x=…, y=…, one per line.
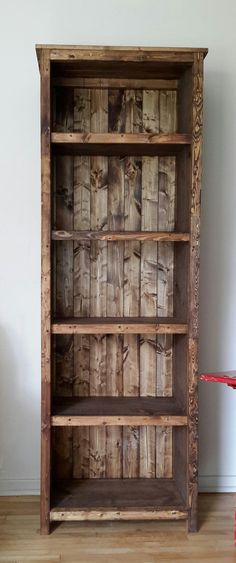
x=112, y=452
x=118, y=193
x=121, y=110
x=114, y=365
x=113, y=279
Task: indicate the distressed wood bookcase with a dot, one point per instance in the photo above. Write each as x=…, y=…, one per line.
x=121, y=173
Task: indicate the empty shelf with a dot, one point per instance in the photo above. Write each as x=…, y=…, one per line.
x=112, y=499
x=128, y=325
x=116, y=411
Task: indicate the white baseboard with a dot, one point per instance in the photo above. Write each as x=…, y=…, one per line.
x=11, y=487
x=217, y=483
x=207, y=484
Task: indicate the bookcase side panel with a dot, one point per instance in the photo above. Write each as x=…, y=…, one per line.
x=45, y=295
x=197, y=112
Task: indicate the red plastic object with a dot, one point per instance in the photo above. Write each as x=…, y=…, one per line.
x=229, y=378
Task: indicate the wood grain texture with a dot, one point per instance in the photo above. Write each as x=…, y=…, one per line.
x=123, y=138
x=126, y=54
x=131, y=432
x=82, y=195
x=98, y=280
x=99, y=52
x=194, y=286
x=64, y=293
x=82, y=104
x=166, y=218
x=108, y=325
x=45, y=296
x=132, y=199
x=81, y=385
x=115, y=282
x=113, y=515
x=148, y=297
x=126, y=235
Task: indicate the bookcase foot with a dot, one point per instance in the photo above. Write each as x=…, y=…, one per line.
x=45, y=527
x=192, y=523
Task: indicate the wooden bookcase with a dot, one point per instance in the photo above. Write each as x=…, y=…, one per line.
x=121, y=173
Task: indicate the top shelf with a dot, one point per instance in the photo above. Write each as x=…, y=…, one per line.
x=93, y=143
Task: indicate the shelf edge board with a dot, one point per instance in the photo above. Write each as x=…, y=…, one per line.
x=132, y=420
x=118, y=328
x=120, y=235
x=121, y=138
x=57, y=515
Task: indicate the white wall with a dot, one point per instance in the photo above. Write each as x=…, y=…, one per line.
x=207, y=23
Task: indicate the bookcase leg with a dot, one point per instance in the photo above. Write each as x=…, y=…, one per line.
x=44, y=525
x=192, y=522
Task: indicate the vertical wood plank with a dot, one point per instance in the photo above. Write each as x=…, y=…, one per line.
x=81, y=280
x=63, y=250
x=45, y=295
x=116, y=110
x=81, y=297
x=133, y=111
x=115, y=282
x=98, y=280
x=131, y=308
x=166, y=217
x=61, y=108
x=148, y=303
x=131, y=367
x=165, y=273
x=64, y=361
x=82, y=110
x=164, y=451
x=194, y=287
x=151, y=114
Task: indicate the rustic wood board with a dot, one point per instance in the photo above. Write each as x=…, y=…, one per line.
x=149, y=296
x=197, y=122
x=81, y=381
x=46, y=304
x=64, y=283
x=115, y=282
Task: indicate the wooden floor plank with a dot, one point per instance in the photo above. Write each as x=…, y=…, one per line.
x=132, y=542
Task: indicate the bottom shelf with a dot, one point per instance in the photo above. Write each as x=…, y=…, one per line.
x=117, y=499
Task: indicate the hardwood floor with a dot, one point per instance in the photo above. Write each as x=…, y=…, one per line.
x=116, y=542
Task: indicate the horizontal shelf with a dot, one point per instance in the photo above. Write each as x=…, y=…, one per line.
x=121, y=235
x=108, y=325
x=113, y=499
x=122, y=138
x=116, y=411
x=119, y=143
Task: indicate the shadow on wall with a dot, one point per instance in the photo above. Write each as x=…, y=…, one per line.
x=216, y=298
x=19, y=420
